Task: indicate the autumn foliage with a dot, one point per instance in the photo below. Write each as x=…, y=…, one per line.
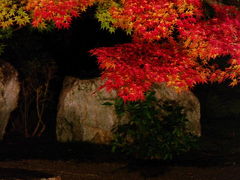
x=179, y=42
x=174, y=41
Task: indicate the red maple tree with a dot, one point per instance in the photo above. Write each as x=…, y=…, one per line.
x=174, y=41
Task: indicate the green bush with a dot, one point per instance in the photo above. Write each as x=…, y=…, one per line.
x=155, y=130
x=4, y=34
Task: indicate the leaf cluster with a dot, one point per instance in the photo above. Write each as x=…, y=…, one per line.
x=104, y=16
x=12, y=13
x=173, y=41
x=178, y=42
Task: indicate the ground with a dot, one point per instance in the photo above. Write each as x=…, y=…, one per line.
x=218, y=158
x=70, y=170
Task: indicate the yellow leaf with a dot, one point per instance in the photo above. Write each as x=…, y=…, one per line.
x=234, y=82
x=187, y=42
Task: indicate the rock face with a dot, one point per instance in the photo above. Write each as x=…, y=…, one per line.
x=9, y=91
x=187, y=100
x=82, y=117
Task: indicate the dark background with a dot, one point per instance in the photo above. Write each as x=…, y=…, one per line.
x=30, y=51
x=68, y=51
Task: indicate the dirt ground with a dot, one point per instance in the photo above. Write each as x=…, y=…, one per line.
x=218, y=158
x=90, y=162
x=70, y=170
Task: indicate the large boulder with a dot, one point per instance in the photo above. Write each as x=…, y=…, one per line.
x=185, y=99
x=9, y=93
x=83, y=117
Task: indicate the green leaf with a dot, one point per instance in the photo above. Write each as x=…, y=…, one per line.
x=107, y=104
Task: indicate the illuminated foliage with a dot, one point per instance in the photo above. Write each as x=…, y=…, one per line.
x=104, y=15
x=12, y=14
x=133, y=68
x=174, y=41
x=60, y=12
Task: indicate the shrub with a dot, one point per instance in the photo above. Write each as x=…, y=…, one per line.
x=156, y=129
